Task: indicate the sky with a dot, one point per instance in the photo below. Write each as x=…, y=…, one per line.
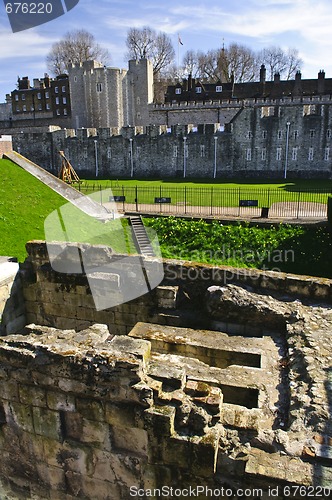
x=203, y=25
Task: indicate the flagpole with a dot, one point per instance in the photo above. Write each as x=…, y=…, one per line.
x=178, y=53
x=179, y=43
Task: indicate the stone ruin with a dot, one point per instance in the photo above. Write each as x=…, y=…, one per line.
x=217, y=383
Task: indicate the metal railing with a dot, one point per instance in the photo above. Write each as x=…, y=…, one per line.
x=215, y=201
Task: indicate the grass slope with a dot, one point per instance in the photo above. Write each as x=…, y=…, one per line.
x=25, y=203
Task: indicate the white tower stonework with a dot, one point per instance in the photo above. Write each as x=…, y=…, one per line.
x=110, y=97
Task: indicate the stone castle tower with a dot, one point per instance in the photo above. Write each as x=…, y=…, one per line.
x=110, y=97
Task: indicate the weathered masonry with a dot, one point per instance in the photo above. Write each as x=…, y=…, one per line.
x=249, y=138
x=220, y=379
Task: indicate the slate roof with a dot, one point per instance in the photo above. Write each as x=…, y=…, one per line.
x=274, y=89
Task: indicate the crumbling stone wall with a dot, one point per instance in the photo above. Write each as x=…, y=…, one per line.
x=95, y=416
x=65, y=300
x=226, y=385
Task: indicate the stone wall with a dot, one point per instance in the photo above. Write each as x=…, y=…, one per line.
x=251, y=139
x=12, y=309
x=65, y=300
x=219, y=380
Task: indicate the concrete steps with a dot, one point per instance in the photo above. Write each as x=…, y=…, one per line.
x=141, y=238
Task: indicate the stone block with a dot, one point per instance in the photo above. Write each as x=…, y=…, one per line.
x=166, y=296
x=171, y=376
x=100, y=490
x=205, y=454
x=53, y=477
x=127, y=469
x=131, y=440
x=31, y=318
x=32, y=395
x=103, y=465
x=33, y=307
x=19, y=415
x=72, y=425
x=160, y=420
x=90, y=409
x=9, y=390
x=86, y=314
x=29, y=293
x=175, y=451
x=124, y=318
x=76, y=457
x=56, y=309
x=279, y=468
x=47, y=423
x=60, y=401
x=118, y=415
x=97, y=433
x=141, y=349
x=60, y=322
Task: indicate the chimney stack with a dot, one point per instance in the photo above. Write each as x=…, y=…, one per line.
x=321, y=82
x=262, y=74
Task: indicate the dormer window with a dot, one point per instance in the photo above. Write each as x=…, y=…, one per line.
x=218, y=88
x=198, y=90
x=178, y=91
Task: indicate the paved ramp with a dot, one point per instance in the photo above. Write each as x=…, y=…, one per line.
x=84, y=203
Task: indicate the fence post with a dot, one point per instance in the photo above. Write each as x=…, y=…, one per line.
x=123, y=194
x=136, y=197
x=298, y=204
x=185, y=199
x=239, y=213
x=211, y=200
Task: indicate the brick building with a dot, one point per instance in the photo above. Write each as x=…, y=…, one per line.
x=47, y=99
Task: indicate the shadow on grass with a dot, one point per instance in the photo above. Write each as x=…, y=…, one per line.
x=309, y=253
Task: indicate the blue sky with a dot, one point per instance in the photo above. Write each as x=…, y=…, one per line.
x=302, y=24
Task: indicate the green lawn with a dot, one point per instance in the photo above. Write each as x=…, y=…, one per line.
x=25, y=203
x=218, y=194
x=290, y=185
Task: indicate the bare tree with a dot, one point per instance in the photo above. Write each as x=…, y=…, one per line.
x=75, y=47
x=294, y=63
x=241, y=63
x=278, y=61
x=146, y=43
x=190, y=63
x=223, y=63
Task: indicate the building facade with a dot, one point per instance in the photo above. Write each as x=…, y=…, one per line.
x=271, y=129
x=47, y=99
x=91, y=95
x=111, y=97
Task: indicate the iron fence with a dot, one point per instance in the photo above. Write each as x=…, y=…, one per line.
x=213, y=201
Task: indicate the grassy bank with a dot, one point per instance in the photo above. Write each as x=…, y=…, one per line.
x=25, y=204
